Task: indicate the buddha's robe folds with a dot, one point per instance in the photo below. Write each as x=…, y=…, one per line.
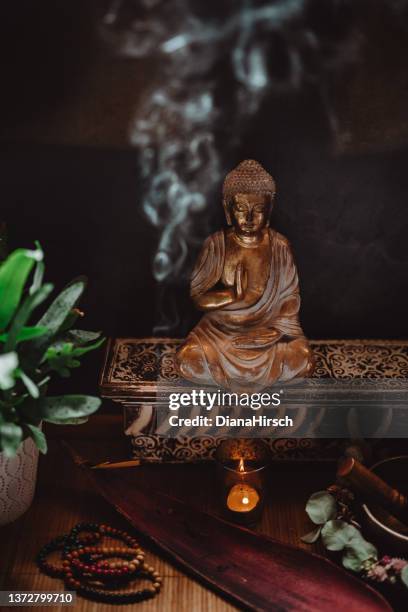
x=242, y=347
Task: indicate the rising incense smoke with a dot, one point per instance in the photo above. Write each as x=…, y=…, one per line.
x=215, y=70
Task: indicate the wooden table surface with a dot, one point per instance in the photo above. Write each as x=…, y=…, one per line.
x=63, y=498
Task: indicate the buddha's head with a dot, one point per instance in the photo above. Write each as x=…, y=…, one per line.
x=248, y=193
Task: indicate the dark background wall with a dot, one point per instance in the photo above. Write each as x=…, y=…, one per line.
x=346, y=217
x=70, y=180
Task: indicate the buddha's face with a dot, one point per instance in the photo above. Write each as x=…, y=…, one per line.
x=249, y=212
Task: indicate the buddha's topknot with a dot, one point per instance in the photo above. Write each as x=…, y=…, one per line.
x=248, y=177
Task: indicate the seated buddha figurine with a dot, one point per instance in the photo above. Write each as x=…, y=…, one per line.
x=246, y=282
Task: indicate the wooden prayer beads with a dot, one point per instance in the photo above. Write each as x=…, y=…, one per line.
x=100, y=572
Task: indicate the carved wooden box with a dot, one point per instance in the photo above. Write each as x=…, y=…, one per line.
x=133, y=367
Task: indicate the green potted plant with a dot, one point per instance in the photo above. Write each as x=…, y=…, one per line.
x=30, y=354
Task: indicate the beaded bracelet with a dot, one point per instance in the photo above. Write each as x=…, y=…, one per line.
x=119, y=595
x=85, y=566
x=98, y=568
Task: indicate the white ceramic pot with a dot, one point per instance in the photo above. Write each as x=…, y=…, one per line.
x=18, y=476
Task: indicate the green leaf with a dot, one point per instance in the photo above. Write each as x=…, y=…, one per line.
x=39, y=438
x=78, y=421
x=60, y=409
x=55, y=316
x=72, y=317
x=60, y=359
x=8, y=365
x=14, y=272
x=357, y=551
x=321, y=507
x=11, y=436
x=38, y=275
x=86, y=349
x=23, y=313
x=43, y=381
x=337, y=534
x=28, y=383
x=25, y=333
x=80, y=337
x=404, y=575
x=28, y=333
x=61, y=356
x=312, y=536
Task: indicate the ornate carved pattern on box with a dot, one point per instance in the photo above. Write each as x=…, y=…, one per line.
x=133, y=367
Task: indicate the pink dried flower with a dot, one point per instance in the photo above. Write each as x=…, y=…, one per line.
x=378, y=573
x=398, y=564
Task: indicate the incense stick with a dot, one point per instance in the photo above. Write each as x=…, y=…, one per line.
x=108, y=465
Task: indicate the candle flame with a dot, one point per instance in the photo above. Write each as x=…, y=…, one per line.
x=245, y=500
x=241, y=467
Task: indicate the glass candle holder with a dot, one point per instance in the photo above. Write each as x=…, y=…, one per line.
x=241, y=471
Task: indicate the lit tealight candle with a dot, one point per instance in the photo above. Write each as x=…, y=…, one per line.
x=242, y=498
x=241, y=471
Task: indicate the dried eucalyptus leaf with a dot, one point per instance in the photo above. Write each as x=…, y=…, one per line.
x=337, y=534
x=312, y=536
x=321, y=507
x=404, y=575
x=357, y=551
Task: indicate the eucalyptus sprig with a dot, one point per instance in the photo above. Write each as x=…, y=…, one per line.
x=32, y=351
x=338, y=534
